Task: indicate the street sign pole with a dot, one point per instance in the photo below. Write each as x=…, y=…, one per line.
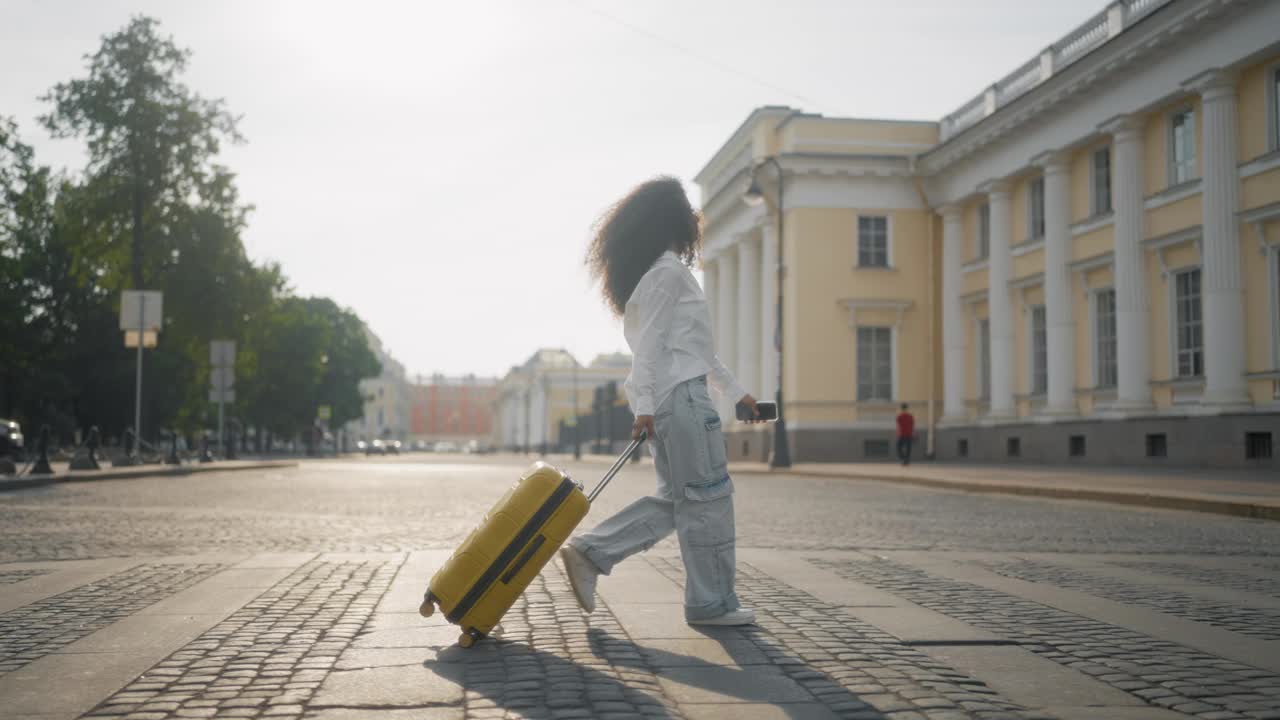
x=137, y=384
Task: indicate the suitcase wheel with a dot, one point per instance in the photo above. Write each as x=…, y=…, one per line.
x=469, y=638
x=428, y=607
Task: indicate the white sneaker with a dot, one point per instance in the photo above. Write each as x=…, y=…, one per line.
x=582, y=576
x=741, y=616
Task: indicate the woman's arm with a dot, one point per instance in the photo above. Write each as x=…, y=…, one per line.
x=723, y=382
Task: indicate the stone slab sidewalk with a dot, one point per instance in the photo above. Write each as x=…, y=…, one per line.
x=895, y=636
x=1240, y=493
x=62, y=474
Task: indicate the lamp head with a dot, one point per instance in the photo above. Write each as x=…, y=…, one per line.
x=754, y=194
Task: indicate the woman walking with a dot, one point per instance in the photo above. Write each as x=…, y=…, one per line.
x=641, y=254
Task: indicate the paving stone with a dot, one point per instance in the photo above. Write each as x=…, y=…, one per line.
x=1261, y=623
x=1090, y=646
x=32, y=631
x=321, y=592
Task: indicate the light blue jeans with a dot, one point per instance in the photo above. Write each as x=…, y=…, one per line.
x=694, y=500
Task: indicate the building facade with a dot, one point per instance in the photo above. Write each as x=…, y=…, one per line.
x=458, y=409
x=386, y=399
x=533, y=398
x=1081, y=264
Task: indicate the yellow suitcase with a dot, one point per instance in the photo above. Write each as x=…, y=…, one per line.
x=498, y=560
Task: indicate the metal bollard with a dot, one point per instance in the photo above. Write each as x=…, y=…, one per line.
x=42, y=466
x=204, y=448
x=172, y=457
x=91, y=444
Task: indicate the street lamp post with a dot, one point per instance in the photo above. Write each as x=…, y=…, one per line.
x=755, y=196
x=577, y=444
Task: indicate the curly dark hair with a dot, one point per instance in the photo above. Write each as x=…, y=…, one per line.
x=653, y=218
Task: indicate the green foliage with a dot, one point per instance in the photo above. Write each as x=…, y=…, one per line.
x=152, y=204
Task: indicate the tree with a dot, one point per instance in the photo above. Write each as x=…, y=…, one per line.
x=151, y=140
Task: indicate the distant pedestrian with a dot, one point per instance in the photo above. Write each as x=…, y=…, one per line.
x=906, y=433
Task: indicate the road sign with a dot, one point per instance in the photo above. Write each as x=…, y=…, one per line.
x=141, y=310
x=222, y=353
x=222, y=396
x=148, y=338
x=324, y=412
x=222, y=378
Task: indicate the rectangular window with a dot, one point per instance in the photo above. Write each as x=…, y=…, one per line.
x=1076, y=446
x=1275, y=308
x=875, y=448
x=962, y=447
x=1257, y=446
x=1102, y=181
x=1182, y=147
x=1039, y=352
x=1157, y=445
x=873, y=241
x=983, y=363
x=984, y=231
x=1104, y=329
x=875, y=364
x=1035, y=205
x=1188, y=328
x=1275, y=109
x=1013, y=447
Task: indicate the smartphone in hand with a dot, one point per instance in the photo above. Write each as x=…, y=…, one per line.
x=768, y=411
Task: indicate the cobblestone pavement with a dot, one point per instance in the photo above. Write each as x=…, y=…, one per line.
x=1261, y=623
x=269, y=657
x=1161, y=672
x=551, y=660
x=33, y=631
x=12, y=576
x=852, y=667
x=401, y=506
x=293, y=593
x=1243, y=580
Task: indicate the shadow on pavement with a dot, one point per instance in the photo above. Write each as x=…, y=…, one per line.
x=621, y=676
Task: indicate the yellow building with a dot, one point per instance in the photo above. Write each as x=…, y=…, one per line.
x=534, y=397
x=1080, y=264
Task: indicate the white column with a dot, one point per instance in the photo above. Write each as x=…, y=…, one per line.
x=768, y=386
x=749, y=312
x=727, y=316
x=1222, y=290
x=1133, y=313
x=1060, y=326
x=952, y=316
x=999, y=311
x=710, y=288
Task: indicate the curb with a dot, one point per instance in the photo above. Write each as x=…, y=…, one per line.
x=139, y=472
x=1141, y=499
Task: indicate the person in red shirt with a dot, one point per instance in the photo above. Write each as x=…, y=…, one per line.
x=906, y=433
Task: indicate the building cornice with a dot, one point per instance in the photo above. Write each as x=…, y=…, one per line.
x=1110, y=58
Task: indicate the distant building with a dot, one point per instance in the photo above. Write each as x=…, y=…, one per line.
x=386, y=398
x=458, y=409
x=534, y=397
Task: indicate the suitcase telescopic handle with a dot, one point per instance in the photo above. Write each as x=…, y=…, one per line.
x=617, y=465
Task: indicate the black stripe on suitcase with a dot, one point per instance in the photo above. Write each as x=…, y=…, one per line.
x=504, y=559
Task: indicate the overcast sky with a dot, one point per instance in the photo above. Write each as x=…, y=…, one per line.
x=437, y=166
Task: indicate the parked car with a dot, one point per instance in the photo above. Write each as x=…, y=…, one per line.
x=392, y=447
x=421, y=446
x=12, y=444
x=375, y=447
x=445, y=446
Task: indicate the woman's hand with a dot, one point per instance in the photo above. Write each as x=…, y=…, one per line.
x=643, y=423
x=755, y=411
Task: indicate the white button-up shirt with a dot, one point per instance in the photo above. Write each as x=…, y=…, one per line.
x=668, y=326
